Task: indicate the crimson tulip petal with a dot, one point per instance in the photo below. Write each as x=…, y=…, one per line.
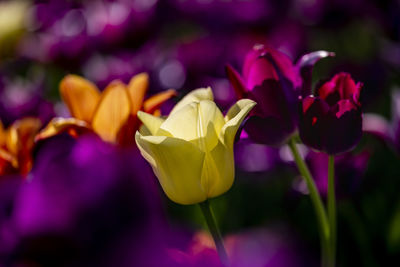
x=236, y=81
x=332, y=121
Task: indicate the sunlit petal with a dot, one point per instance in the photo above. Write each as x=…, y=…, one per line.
x=198, y=122
x=137, y=89
x=112, y=112
x=194, y=96
x=80, y=95
x=177, y=165
x=152, y=123
x=154, y=102
x=234, y=118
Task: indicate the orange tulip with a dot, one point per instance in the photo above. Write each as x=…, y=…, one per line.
x=16, y=145
x=110, y=114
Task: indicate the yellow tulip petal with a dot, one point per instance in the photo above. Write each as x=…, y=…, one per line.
x=194, y=96
x=80, y=95
x=198, y=122
x=137, y=89
x=218, y=170
x=151, y=122
x=112, y=112
x=154, y=102
x=234, y=118
x=177, y=164
x=61, y=125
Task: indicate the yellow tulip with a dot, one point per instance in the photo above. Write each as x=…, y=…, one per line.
x=16, y=145
x=191, y=151
x=110, y=114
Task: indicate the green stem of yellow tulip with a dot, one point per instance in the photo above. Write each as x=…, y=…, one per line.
x=317, y=203
x=332, y=209
x=212, y=226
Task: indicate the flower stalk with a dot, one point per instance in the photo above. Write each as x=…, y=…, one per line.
x=332, y=209
x=323, y=223
x=213, y=228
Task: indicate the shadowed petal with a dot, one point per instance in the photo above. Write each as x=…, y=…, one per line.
x=236, y=81
x=268, y=130
x=313, y=122
x=218, y=170
x=342, y=132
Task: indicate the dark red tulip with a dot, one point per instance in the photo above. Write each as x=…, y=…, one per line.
x=332, y=120
x=271, y=79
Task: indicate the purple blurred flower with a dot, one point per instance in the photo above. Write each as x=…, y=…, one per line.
x=234, y=11
x=275, y=83
x=332, y=120
x=379, y=126
x=68, y=32
x=266, y=248
x=251, y=157
x=21, y=98
x=86, y=203
x=349, y=169
x=9, y=186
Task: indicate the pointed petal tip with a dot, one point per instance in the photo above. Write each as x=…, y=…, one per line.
x=154, y=102
x=151, y=122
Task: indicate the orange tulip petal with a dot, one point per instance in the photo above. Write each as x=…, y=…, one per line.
x=112, y=112
x=20, y=142
x=153, y=103
x=20, y=135
x=61, y=125
x=137, y=89
x=2, y=135
x=8, y=163
x=80, y=95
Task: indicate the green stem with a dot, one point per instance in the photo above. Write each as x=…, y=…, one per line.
x=212, y=226
x=332, y=208
x=317, y=202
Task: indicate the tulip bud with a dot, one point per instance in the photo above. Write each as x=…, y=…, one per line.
x=191, y=151
x=332, y=120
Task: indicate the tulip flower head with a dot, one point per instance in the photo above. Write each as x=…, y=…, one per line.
x=110, y=114
x=16, y=145
x=191, y=151
x=332, y=120
x=271, y=79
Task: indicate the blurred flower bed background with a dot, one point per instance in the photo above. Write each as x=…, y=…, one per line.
x=84, y=202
